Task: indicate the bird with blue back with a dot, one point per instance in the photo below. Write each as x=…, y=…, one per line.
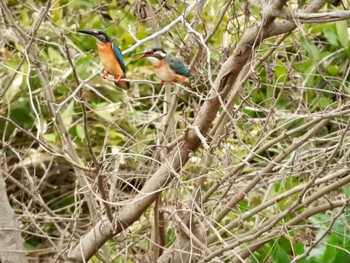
x=110, y=56
x=167, y=68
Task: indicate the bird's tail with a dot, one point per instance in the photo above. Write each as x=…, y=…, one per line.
x=122, y=84
x=187, y=83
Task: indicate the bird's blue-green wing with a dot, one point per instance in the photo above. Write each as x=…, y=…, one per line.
x=178, y=67
x=119, y=56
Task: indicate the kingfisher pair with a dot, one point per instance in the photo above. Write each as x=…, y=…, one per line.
x=168, y=69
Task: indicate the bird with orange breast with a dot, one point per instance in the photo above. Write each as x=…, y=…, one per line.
x=110, y=56
x=167, y=68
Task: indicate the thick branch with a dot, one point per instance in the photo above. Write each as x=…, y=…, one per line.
x=11, y=242
x=301, y=17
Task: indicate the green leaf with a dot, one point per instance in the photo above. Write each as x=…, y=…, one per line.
x=56, y=11
x=14, y=89
x=299, y=248
x=21, y=113
x=81, y=3
x=68, y=113
x=331, y=36
x=261, y=254
x=333, y=70
x=50, y=137
x=343, y=255
x=331, y=251
x=82, y=65
x=346, y=190
x=311, y=48
x=280, y=72
x=280, y=256
x=113, y=13
x=104, y=111
x=324, y=102
x=54, y=55
x=342, y=31
x=32, y=243
x=243, y=206
x=80, y=131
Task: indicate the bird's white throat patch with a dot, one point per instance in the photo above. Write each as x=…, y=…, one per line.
x=153, y=60
x=163, y=55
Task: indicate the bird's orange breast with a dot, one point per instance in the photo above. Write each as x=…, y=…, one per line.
x=159, y=64
x=109, y=59
x=164, y=72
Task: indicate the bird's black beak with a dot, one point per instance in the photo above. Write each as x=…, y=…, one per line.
x=144, y=55
x=88, y=32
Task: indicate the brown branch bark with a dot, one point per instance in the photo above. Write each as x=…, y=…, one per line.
x=300, y=17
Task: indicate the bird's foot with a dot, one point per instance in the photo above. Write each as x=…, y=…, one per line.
x=118, y=79
x=105, y=74
x=162, y=82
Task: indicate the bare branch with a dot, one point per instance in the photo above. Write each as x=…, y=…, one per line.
x=300, y=17
x=164, y=29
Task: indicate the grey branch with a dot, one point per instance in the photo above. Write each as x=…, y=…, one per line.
x=315, y=17
x=164, y=29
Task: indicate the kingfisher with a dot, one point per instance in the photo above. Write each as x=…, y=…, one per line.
x=167, y=68
x=110, y=56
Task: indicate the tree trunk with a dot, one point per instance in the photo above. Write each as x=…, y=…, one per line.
x=11, y=241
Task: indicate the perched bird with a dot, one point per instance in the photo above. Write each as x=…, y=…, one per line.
x=167, y=68
x=111, y=57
